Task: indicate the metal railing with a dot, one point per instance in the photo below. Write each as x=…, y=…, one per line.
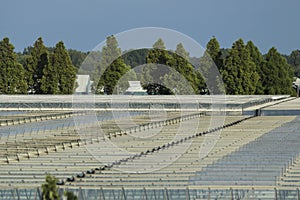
x=157, y=194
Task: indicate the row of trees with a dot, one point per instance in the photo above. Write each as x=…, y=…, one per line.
x=243, y=69
x=38, y=71
x=52, y=70
x=159, y=70
x=294, y=60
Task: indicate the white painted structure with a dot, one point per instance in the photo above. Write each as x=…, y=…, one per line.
x=84, y=84
x=135, y=88
x=296, y=85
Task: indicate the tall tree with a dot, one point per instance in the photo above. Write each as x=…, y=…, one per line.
x=180, y=50
x=294, y=60
x=11, y=72
x=112, y=68
x=108, y=84
x=156, y=67
x=239, y=73
x=50, y=79
x=110, y=52
x=279, y=74
x=209, y=61
x=258, y=60
x=59, y=76
x=186, y=71
x=66, y=69
x=159, y=44
x=35, y=64
x=163, y=67
x=213, y=49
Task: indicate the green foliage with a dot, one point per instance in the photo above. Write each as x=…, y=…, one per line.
x=206, y=63
x=156, y=67
x=59, y=75
x=182, y=52
x=211, y=60
x=187, y=72
x=50, y=79
x=158, y=89
x=77, y=57
x=159, y=44
x=239, y=72
x=259, y=62
x=21, y=58
x=135, y=58
x=294, y=60
x=91, y=65
x=123, y=83
x=167, y=72
x=66, y=71
x=176, y=83
x=27, y=50
x=49, y=188
x=110, y=52
x=213, y=50
x=158, y=56
x=11, y=72
x=279, y=74
x=108, y=82
x=70, y=195
x=52, y=70
x=112, y=68
x=35, y=64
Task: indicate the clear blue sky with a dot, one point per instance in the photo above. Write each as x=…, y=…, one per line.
x=82, y=24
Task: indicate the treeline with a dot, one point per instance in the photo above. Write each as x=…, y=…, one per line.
x=52, y=70
x=155, y=68
x=244, y=70
x=37, y=70
x=294, y=60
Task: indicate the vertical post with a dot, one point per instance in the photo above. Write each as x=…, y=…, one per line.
x=166, y=196
x=145, y=194
x=39, y=193
x=113, y=191
x=18, y=194
x=275, y=193
x=80, y=194
x=242, y=109
x=123, y=192
x=298, y=195
x=102, y=193
x=13, y=193
x=187, y=193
